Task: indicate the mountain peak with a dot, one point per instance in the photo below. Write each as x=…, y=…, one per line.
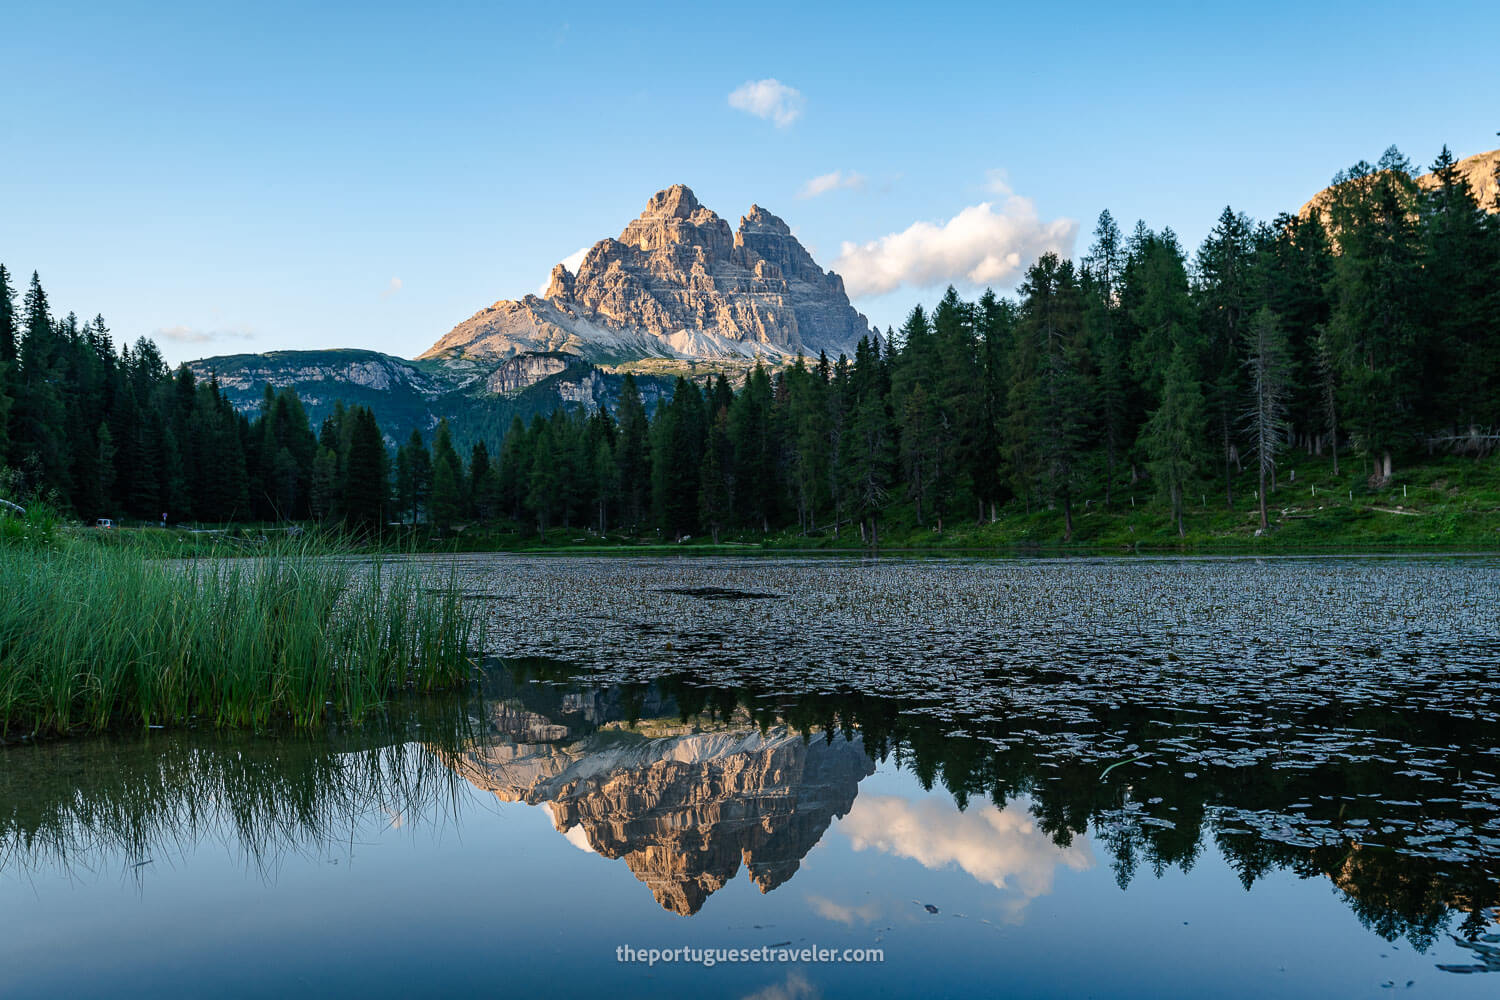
x=759, y=220
x=678, y=283
x=675, y=202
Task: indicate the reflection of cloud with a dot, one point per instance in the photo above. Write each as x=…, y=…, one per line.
x=999, y=847
x=851, y=915
x=769, y=99
x=579, y=838
x=575, y=835
x=796, y=987
x=984, y=244
x=193, y=335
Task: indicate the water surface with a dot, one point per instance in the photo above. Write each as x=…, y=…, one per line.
x=1157, y=778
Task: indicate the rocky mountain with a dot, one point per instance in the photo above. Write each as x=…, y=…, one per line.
x=683, y=804
x=677, y=283
x=678, y=293
x=1481, y=170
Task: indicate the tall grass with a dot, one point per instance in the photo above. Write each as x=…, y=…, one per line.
x=93, y=636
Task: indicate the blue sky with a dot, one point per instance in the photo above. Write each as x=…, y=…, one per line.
x=233, y=178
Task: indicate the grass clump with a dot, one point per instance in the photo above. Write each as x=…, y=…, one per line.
x=92, y=637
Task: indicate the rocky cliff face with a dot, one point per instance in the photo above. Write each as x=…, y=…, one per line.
x=683, y=809
x=1479, y=170
x=525, y=370
x=677, y=283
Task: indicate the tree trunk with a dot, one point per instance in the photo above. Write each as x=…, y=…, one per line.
x=1067, y=518
x=1386, y=472
x=1228, y=458
x=1265, y=525
x=1109, y=470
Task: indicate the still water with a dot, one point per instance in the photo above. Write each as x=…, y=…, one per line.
x=1176, y=778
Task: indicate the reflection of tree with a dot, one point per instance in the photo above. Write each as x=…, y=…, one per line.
x=1158, y=816
x=74, y=805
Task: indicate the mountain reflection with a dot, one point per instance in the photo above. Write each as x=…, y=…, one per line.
x=687, y=783
x=682, y=802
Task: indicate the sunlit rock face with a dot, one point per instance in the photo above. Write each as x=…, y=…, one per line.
x=1481, y=171
x=677, y=283
x=683, y=809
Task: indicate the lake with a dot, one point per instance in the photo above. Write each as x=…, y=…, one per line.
x=1032, y=778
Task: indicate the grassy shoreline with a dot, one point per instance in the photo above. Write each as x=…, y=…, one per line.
x=98, y=637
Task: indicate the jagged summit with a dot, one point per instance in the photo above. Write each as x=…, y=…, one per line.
x=677, y=283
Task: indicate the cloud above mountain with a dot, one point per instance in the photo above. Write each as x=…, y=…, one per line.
x=838, y=180
x=988, y=244
x=770, y=99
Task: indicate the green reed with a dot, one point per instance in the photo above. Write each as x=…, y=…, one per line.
x=93, y=637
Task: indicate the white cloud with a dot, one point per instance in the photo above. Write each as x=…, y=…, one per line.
x=194, y=335
x=981, y=245
x=391, y=288
x=824, y=183
x=769, y=99
x=997, y=182
x=571, y=262
x=999, y=847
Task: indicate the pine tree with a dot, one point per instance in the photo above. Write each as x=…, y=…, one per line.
x=323, y=500
x=1460, y=274
x=633, y=454
x=479, y=470
x=415, y=480
x=1173, y=434
x=752, y=436
x=716, y=492
x=1374, y=334
x=678, y=437
x=366, y=486
x=1224, y=299
x=9, y=361
x=1052, y=401
x=447, y=479
x=870, y=454
x=1103, y=274
x=38, y=417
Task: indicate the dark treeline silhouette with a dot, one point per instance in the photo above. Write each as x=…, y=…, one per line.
x=1366, y=326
